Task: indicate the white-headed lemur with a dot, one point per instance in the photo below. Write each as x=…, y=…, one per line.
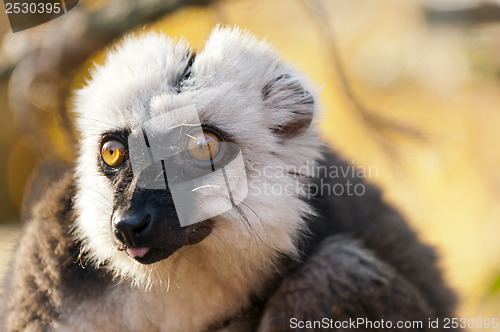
x=203, y=199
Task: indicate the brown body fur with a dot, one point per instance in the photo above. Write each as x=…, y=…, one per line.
x=361, y=260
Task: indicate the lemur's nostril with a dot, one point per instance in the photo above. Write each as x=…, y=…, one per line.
x=132, y=228
x=119, y=236
x=143, y=224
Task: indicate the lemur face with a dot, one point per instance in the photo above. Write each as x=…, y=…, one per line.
x=174, y=147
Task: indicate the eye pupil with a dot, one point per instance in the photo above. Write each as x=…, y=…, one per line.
x=204, y=147
x=113, y=153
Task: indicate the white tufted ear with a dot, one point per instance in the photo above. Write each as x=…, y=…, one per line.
x=291, y=105
x=235, y=57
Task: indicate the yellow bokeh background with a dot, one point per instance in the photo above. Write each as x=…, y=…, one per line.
x=441, y=80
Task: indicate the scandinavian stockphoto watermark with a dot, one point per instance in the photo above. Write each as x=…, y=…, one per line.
x=218, y=178
x=27, y=14
x=310, y=180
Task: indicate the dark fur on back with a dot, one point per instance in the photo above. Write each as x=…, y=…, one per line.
x=361, y=260
x=382, y=230
x=46, y=271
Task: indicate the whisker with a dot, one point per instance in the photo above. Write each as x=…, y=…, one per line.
x=205, y=186
x=77, y=116
x=97, y=192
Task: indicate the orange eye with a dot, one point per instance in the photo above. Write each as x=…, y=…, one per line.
x=204, y=147
x=113, y=153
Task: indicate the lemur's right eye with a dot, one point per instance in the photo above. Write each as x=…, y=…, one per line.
x=113, y=153
x=204, y=147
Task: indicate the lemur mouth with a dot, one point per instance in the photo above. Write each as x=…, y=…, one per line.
x=148, y=228
x=160, y=242
x=145, y=255
x=137, y=252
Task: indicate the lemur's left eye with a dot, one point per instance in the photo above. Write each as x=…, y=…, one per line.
x=113, y=153
x=204, y=147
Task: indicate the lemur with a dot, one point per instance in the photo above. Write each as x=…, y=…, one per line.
x=168, y=219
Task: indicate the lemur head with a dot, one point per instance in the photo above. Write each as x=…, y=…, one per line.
x=234, y=108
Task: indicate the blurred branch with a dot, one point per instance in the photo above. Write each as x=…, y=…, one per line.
x=482, y=13
x=378, y=125
x=39, y=62
x=98, y=28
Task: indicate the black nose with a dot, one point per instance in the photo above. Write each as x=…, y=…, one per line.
x=134, y=228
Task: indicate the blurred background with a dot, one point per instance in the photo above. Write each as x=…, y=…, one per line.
x=411, y=87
